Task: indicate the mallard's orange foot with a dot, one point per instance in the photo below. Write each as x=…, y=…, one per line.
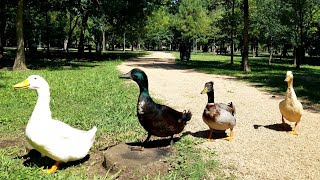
x=210, y=140
x=293, y=132
x=228, y=138
x=136, y=148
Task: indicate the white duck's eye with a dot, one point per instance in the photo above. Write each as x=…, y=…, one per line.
x=35, y=78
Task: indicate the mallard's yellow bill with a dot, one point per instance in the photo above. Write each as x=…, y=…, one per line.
x=204, y=91
x=23, y=84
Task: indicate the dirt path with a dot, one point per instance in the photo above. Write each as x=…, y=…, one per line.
x=259, y=149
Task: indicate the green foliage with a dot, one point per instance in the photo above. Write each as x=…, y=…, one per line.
x=158, y=26
x=192, y=20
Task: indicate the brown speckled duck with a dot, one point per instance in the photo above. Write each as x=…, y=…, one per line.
x=291, y=109
x=218, y=116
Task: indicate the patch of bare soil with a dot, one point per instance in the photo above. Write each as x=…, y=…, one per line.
x=260, y=149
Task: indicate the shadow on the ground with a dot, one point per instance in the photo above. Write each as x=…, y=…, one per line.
x=34, y=158
x=275, y=127
x=59, y=60
x=158, y=143
x=216, y=134
x=157, y=63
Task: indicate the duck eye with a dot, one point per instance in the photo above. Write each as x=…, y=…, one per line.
x=35, y=78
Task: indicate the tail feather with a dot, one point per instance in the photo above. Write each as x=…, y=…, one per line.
x=92, y=133
x=233, y=112
x=186, y=116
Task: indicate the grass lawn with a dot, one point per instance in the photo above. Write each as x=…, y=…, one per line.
x=269, y=77
x=83, y=94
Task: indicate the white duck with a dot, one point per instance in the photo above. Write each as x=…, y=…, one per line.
x=53, y=138
x=291, y=108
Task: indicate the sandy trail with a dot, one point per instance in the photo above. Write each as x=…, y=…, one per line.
x=260, y=150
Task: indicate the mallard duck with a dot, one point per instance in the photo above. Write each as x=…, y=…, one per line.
x=158, y=120
x=53, y=138
x=291, y=108
x=218, y=116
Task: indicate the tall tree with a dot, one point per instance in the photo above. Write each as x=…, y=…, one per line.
x=245, y=51
x=20, y=61
x=158, y=27
x=192, y=22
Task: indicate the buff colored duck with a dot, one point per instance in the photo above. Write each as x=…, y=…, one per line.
x=291, y=108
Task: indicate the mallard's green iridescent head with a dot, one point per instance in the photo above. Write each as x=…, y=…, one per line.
x=138, y=76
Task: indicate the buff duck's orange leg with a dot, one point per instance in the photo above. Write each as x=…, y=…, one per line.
x=283, y=123
x=230, y=137
x=53, y=168
x=294, y=132
x=210, y=135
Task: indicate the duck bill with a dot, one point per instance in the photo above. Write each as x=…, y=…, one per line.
x=22, y=85
x=126, y=75
x=287, y=79
x=204, y=91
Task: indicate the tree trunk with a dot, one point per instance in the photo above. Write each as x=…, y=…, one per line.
x=83, y=28
x=132, y=43
x=20, y=61
x=299, y=56
x=270, y=55
x=71, y=29
x=232, y=33
x=253, y=51
x=124, y=41
x=47, y=28
x=245, y=58
x=103, y=41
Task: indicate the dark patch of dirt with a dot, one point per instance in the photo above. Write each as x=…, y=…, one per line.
x=136, y=164
x=6, y=141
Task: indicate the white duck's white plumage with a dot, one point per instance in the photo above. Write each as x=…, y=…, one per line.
x=50, y=137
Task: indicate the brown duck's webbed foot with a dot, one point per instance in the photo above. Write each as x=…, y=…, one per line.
x=141, y=148
x=230, y=137
x=210, y=135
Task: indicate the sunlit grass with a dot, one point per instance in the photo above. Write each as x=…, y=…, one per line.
x=83, y=97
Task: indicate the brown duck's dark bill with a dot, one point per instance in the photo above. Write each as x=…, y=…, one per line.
x=126, y=76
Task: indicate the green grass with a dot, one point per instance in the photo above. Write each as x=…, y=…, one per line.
x=83, y=94
x=269, y=77
x=191, y=162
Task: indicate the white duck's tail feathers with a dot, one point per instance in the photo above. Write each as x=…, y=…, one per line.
x=92, y=132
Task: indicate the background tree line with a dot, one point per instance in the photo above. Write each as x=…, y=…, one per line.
x=274, y=26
